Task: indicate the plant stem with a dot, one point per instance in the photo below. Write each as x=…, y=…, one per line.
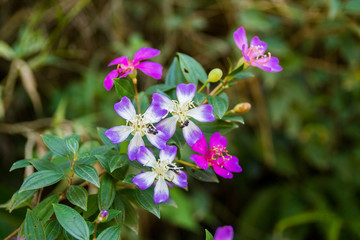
x=187, y=164
x=71, y=172
x=203, y=86
x=134, y=80
x=13, y=234
x=96, y=224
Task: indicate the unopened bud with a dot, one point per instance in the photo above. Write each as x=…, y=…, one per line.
x=103, y=216
x=215, y=75
x=242, y=108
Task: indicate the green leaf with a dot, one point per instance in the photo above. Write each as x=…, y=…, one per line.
x=43, y=164
x=236, y=70
x=159, y=87
x=78, y=196
x=44, y=210
x=124, y=87
x=191, y=69
x=207, y=175
x=216, y=126
x=110, y=233
x=104, y=161
x=20, y=164
x=92, y=206
x=112, y=214
x=118, y=161
x=88, y=173
x=20, y=199
x=71, y=221
x=41, y=179
x=52, y=230
x=220, y=105
x=174, y=75
x=128, y=215
x=33, y=227
x=129, y=178
x=6, y=51
x=199, y=98
x=243, y=75
x=72, y=143
x=106, y=193
x=56, y=145
x=105, y=139
x=209, y=236
x=234, y=118
x=145, y=198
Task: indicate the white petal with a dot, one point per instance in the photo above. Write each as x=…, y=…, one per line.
x=125, y=109
x=185, y=92
x=118, y=134
x=203, y=113
x=144, y=180
x=168, y=153
x=134, y=145
x=146, y=157
x=192, y=133
x=161, y=191
x=168, y=126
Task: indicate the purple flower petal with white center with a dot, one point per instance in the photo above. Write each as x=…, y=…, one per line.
x=217, y=140
x=222, y=172
x=146, y=157
x=151, y=69
x=168, y=126
x=144, y=180
x=180, y=179
x=200, y=146
x=224, y=233
x=203, y=113
x=145, y=53
x=241, y=39
x=135, y=143
x=159, y=140
x=200, y=161
x=118, y=134
x=162, y=101
x=192, y=133
x=108, y=81
x=185, y=92
x=154, y=113
x=120, y=60
x=125, y=109
x=168, y=153
x=161, y=191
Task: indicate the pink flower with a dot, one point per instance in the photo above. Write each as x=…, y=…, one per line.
x=126, y=66
x=255, y=54
x=216, y=156
x=224, y=233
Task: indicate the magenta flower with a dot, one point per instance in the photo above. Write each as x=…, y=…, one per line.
x=163, y=170
x=182, y=110
x=216, y=156
x=126, y=66
x=255, y=54
x=224, y=233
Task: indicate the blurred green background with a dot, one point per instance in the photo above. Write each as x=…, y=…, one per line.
x=299, y=148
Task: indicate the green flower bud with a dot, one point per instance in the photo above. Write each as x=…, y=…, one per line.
x=241, y=108
x=215, y=75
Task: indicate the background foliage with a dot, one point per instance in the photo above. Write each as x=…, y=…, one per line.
x=299, y=147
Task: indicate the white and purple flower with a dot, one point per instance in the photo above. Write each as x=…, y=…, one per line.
x=255, y=54
x=182, y=110
x=138, y=125
x=126, y=66
x=162, y=171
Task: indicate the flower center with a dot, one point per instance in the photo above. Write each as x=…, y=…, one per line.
x=122, y=68
x=218, y=154
x=162, y=167
x=180, y=110
x=258, y=55
x=141, y=126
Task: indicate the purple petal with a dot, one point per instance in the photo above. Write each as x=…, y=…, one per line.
x=222, y=172
x=120, y=60
x=144, y=180
x=200, y=161
x=203, y=113
x=192, y=133
x=118, y=134
x=217, y=140
x=146, y=157
x=125, y=109
x=145, y=53
x=232, y=164
x=154, y=113
x=162, y=101
x=270, y=66
x=168, y=126
x=200, y=146
x=134, y=145
x=180, y=179
x=261, y=47
x=161, y=191
x=224, y=233
x=159, y=140
x=168, y=153
x=108, y=81
x=241, y=39
x=151, y=69
x=185, y=92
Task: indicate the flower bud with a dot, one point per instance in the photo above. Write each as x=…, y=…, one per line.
x=241, y=108
x=215, y=75
x=103, y=216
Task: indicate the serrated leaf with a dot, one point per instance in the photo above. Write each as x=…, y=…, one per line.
x=56, y=145
x=124, y=87
x=33, y=228
x=106, y=193
x=219, y=104
x=145, y=200
x=78, y=196
x=105, y=139
x=52, y=230
x=20, y=199
x=174, y=75
x=209, y=236
x=88, y=173
x=110, y=233
x=207, y=175
x=118, y=161
x=20, y=164
x=44, y=210
x=191, y=69
x=234, y=118
x=71, y=221
x=41, y=179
